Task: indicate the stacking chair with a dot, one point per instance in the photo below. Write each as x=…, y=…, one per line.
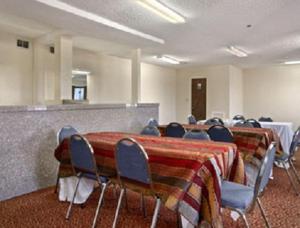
x=65, y=132
x=133, y=167
x=214, y=121
x=84, y=165
x=287, y=162
x=150, y=130
x=238, y=117
x=192, y=120
x=152, y=122
x=254, y=122
x=243, y=123
x=175, y=130
x=220, y=133
x=241, y=198
x=265, y=119
x=196, y=134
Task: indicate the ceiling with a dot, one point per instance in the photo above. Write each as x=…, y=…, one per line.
x=211, y=26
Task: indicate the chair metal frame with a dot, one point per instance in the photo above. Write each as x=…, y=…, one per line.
x=218, y=126
x=239, y=117
x=254, y=122
x=186, y=135
x=244, y=123
x=289, y=161
x=80, y=174
x=57, y=143
x=123, y=187
x=152, y=122
x=257, y=192
x=151, y=128
x=172, y=124
x=192, y=119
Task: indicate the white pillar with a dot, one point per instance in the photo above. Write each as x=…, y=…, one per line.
x=63, y=66
x=136, y=76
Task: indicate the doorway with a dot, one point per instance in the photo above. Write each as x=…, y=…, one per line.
x=199, y=98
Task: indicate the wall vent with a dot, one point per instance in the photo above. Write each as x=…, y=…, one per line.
x=23, y=44
x=52, y=50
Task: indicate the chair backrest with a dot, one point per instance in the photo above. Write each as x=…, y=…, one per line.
x=243, y=123
x=175, y=130
x=238, y=117
x=295, y=143
x=265, y=170
x=82, y=155
x=150, y=130
x=220, y=133
x=152, y=122
x=192, y=119
x=265, y=119
x=132, y=162
x=65, y=132
x=214, y=121
x=196, y=134
x=254, y=122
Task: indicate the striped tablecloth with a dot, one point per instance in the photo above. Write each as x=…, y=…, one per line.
x=186, y=174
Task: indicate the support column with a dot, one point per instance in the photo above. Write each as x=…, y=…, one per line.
x=136, y=76
x=63, y=66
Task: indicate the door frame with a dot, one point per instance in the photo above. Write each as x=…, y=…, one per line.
x=190, y=93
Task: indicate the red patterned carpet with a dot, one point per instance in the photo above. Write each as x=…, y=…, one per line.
x=42, y=209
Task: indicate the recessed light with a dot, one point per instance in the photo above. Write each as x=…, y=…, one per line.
x=292, y=62
x=237, y=51
x=162, y=10
x=167, y=59
x=96, y=18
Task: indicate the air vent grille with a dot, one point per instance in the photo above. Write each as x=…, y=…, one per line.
x=23, y=44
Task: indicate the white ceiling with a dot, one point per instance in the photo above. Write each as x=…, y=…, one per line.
x=210, y=26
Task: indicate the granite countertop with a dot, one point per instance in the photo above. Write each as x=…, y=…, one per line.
x=65, y=107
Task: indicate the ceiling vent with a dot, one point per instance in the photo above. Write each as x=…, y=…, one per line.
x=23, y=44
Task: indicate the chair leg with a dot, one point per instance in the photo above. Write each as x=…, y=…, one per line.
x=243, y=216
x=290, y=177
x=263, y=212
x=126, y=201
x=56, y=186
x=73, y=198
x=156, y=211
x=104, y=185
x=143, y=205
x=295, y=171
x=118, y=207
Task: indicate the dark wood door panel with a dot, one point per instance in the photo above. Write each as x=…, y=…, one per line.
x=199, y=98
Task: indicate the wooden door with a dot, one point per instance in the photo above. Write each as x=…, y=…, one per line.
x=199, y=98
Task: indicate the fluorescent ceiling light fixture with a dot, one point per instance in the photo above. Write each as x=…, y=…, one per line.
x=167, y=59
x=236, y=51
x=292, y=62
x=162, y=10
x=80, y=72
x=96, y=18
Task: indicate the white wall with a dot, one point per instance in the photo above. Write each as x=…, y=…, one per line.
x=217, y=90
x=236, y=92
x=15, y=72
x=273, y=91
x=158, y=85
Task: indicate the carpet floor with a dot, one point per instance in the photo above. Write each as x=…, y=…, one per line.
x=42, y=209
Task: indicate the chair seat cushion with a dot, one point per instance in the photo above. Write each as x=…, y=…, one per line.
x=236, y=195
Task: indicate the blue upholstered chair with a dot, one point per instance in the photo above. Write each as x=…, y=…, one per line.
x=132, y=166
x=241, y=198
x=243, y=123
x=196, y=134
x=214, y=121
x=265, y=119
x=220, y=133
x=150, y=130
x=254, y=122
x=287, y=162
x=152, y=122
x=64, y=132
x=191, y=119
x=238, y=117
x=84, y=165
x=175, y=130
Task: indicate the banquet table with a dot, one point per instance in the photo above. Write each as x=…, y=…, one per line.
x=186, y=174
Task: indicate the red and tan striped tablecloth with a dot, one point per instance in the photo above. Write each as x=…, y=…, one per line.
x=186, y=174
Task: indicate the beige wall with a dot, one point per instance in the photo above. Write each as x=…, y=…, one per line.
x=15, y=72
x=236, y=92
x=158, y=84
x=273, y=91
x=217, y=90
